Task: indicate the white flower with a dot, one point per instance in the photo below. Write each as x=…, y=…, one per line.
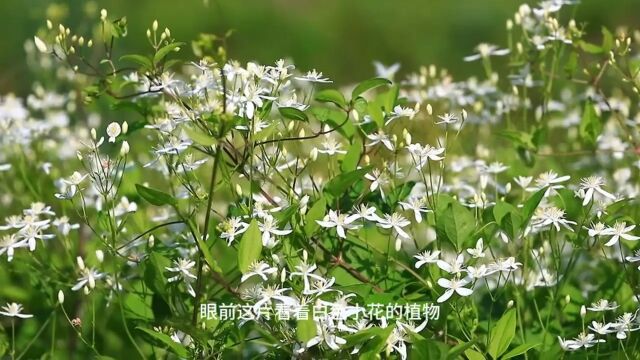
x=8, y=244
x=380, y=137
x=591, y=185
x=551, y=180
x=341, y=222
x=523, y=181
x=453, y=285
x=566, y=345
x=504, y=265
x=270, y=293
x=584, y=340
x=230, y=228
x=485, y=50
x=454, y=267
x=543, y=217
x=386, y=72
x=88, y=278
x=603, y=305
x=417, y=204
x=600, y=328
x=426, y=257
x=63, y=225
x=378, y=180
x=619, y=230
x=367, y=213
x=421, y=154
x=634, y=258
x=268, y=227
x=326, y=332
x=182, y=267
x=396, y=222
x=399, y=111
x=447, y=119
x=626, y=323
x=306, y=271
x=261, y=269
x=14, y=310
x=477, y=272
x=596, y=229
x=113, y=130
x=314, y=76
x=331, y=147
x=478, y=251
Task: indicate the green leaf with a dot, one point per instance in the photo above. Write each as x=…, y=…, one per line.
x=391, y=97
x=341, y=183
x=531, y=205
x=153, y=272
x=306, y=329
x=200, y=137
x=119, y=27
x=204, y=248
x=456, y=351
x=250, y=247
x=507, y=217
x=293, y=113
x=165, y=50
x=155, y=197
x=455, y=223
x=590, y=124
x=519, y=350
x=423, y=348
x=316, y=212
x=368, y=85
x=165, y=339
x=332, y=96
x=351, y=159
x=607, y=40
x=521, y=138
x=143, y=61
x=590, y=48
x=473, y=355
x=502, y=334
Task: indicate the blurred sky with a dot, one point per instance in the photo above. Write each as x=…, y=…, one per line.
x=339, y=37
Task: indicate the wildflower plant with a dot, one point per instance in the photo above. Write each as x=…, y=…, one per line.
x=194, y=206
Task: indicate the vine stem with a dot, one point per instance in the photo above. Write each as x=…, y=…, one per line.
x=214, y=175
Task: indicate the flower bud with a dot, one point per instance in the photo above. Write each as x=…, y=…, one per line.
x=80, y=263
x=103, y=14
x=40, y=45
x=510, y=304
x=60, y=297
x=154, y=26
x=124, y=149
x=583, y=311
x=152, y=241
x=238, y=189
x=100, y=255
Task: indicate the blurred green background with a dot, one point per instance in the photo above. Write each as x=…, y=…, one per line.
x=339, y=37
